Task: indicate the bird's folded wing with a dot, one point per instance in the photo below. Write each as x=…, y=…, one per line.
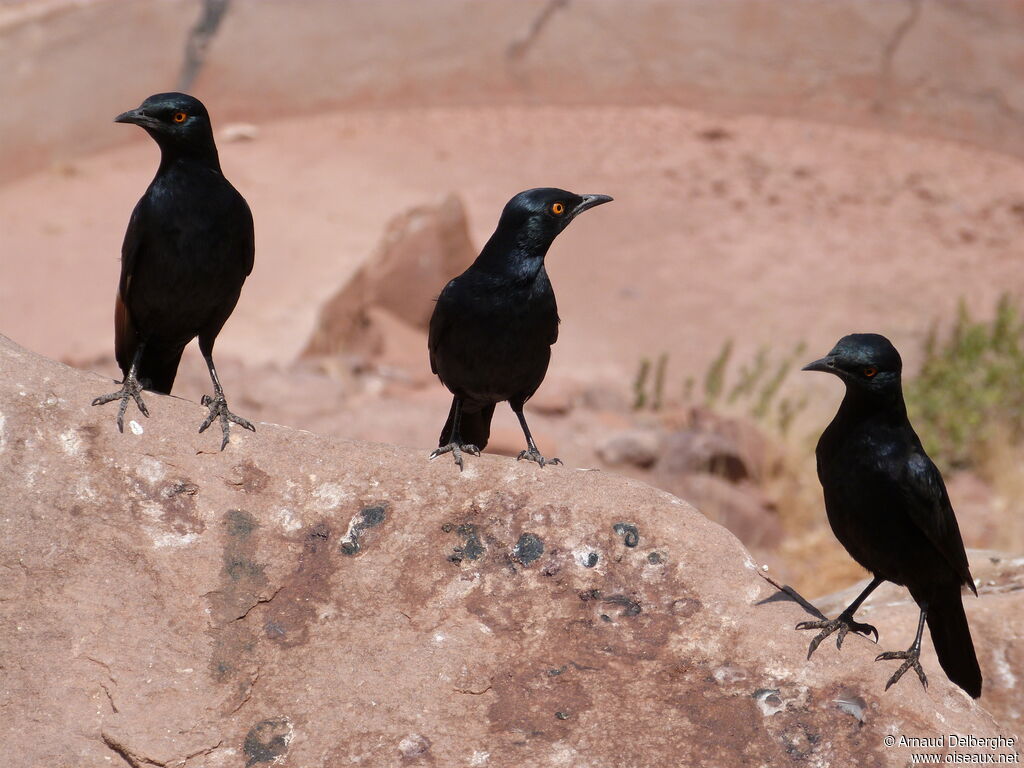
x=125, y=339
x=928, y=505
x=247, y=234
x=130, y=249
x=440, y=322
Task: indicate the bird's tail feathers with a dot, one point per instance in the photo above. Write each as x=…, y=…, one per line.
x=158, y=368
x=474, y=427
x=159, y=363
x=951, y=637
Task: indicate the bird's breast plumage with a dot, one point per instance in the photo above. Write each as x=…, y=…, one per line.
x=188, y=250
x=491, y=338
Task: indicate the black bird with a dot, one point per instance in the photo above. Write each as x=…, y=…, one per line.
x=888, y=506
x=493, y=325
x=187, y=252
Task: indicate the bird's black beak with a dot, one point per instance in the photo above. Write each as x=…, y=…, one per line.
x=137, y=117
x=590, y=201
x=825, y=364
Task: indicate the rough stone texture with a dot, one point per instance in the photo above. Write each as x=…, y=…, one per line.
x=302, y=601
x=997, y=627
x=422, y=249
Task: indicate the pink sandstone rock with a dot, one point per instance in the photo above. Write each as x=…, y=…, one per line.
x=303, y=601
x=421, y=250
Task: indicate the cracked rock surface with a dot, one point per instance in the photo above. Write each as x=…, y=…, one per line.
x=304, y=601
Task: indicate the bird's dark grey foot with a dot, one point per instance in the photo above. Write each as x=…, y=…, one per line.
x=532, y=454
x=912, y=659
x=219, y=410
x=843, y=624
x=130, y=390
x=456, y=450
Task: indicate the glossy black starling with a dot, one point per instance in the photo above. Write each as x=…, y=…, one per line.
x=187, y=252
x=493, y=325
x=888, y=506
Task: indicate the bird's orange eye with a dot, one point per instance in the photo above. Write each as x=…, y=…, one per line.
x=870, y=371
x=180, y=117
x=558, y=209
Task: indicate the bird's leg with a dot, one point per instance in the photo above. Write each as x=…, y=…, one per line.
x=218, y=406
x=131, y=389
x=531, y=453
x=455, y=445
x=911, y=656
x=843, y=623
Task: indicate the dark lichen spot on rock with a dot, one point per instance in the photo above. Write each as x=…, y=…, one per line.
x=800, y=741
x=91, y=434
x=374, y=515
x=631, y=607
x=240, y=524
x=368, y=517
x=562, y=715
x=189, y=489
x=555, y=672
x=317, y=537
x=590, y=594
x=528, y=548
x=320, y=531
x=350, y=547
x=266, y=741
x=629, y=533
x=655, y=558
x=243, y=569
x=472, y=547
x=242, y=585
x=591, y=560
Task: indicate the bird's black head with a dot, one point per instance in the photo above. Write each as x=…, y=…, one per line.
x=546, y=211
x=535, y=217
x=179, y=123
x=529, y=224
x=866, y=362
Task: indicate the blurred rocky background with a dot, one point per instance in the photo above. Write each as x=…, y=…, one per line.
x=784, y=173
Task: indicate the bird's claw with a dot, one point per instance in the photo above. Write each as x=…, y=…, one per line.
x=456, y=449
x=130, y=390
x=843, y=624
x=912, y=660
x=219, y=409
x=532, y=454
